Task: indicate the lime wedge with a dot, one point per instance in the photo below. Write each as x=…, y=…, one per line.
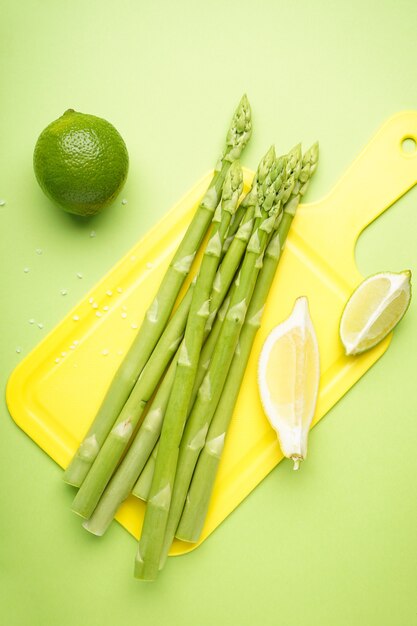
x=288, y=380
x=374, y=309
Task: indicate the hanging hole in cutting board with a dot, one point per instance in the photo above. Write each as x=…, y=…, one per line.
x=406, y=169
x=373, y=252
x=408, y=145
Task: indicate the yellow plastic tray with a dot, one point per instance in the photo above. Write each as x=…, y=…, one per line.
x=53, y=398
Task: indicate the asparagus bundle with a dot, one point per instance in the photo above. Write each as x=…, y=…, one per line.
x=195, y=358
x=198, y=497
x=142, y=487
x=137, y=455
x=199, y=421
x=156, y=517
x=158, y=313
x=120, y=435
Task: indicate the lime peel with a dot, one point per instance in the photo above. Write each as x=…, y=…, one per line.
x=373, y=310
x=81, y=162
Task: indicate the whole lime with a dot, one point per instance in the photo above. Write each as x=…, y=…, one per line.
x=81, y=162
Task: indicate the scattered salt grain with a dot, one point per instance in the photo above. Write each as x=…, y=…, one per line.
x=105, y=308
x=26, y=270
x=75, y=318
x=93, y=233
x=57, y=360
x=40, y=325
x=64, y=292
x=63, y=354
x=134, y=326
x=119, y=290
x=79, y=275
x=2, y=202
x=109, y=292
x=31, y=321
x=39, y=251
x=105, y=352
x=98, y=314
x=18, y=350
x=124, y=315
x=149, y=266
x=124, y=201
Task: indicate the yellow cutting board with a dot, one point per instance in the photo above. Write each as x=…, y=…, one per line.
x=55, y=392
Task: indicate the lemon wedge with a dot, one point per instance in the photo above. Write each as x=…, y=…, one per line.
x=288, y=380
x=373, y=309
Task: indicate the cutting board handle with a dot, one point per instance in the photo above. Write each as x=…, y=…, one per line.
x=384, y=171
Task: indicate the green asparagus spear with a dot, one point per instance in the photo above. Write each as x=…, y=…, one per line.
x=161, y=307
x=199, y=494
x=153, y=532
x=144, y=482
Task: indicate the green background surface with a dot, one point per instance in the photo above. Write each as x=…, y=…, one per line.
x=334, y=545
